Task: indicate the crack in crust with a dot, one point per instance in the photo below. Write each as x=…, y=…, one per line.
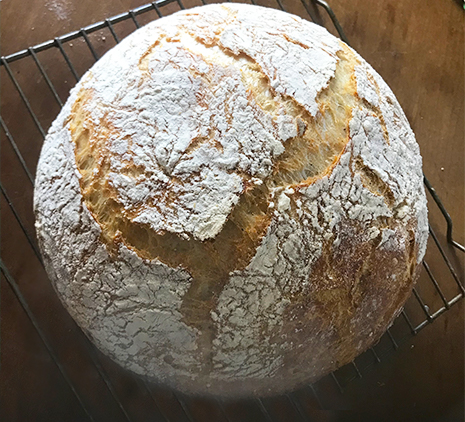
x=373, y=182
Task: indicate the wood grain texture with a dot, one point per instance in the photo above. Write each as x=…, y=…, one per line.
x=416, y=46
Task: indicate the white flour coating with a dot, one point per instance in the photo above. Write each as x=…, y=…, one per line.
x=61, y=8
x=403, y=160
x=132, y=304
x=161, y=113
x=196, y=155
x=284, y=260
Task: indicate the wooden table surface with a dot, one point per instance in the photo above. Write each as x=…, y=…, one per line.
x=418, y=48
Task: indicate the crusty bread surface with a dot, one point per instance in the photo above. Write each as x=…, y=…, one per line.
x=231, y=202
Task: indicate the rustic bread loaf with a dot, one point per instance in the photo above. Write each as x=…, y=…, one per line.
x=231, y=202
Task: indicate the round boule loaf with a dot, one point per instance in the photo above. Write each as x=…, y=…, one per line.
x=231, y=202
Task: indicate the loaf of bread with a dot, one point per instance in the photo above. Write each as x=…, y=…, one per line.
x=231, y=202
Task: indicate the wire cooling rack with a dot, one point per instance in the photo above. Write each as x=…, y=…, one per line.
x=56, y=65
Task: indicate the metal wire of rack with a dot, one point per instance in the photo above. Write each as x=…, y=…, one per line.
x=446, y=290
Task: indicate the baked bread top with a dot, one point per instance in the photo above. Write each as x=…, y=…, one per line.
x=231, y=201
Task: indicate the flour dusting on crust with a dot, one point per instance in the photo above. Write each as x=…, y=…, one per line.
x=187, y=117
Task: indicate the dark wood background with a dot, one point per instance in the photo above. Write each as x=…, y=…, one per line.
x=418, y=48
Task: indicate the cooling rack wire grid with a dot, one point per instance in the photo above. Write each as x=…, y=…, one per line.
x=438, y=289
